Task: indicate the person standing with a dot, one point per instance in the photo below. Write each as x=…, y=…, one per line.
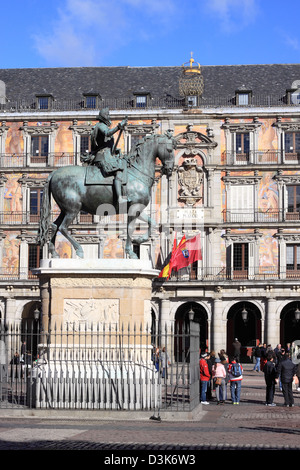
x=204, y=378
x=257, y=355
x=236, y=349
x=235, y=371
x=286, y=371
x=165, y=362
x=270, y=379
x=219, y=375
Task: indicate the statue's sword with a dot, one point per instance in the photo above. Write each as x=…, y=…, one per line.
x=118, y=139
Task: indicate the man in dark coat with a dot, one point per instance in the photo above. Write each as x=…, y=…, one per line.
x=286, y=370
x=236, y=349
x=270, y=378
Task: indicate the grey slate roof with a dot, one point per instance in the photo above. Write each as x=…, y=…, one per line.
x=121, y=82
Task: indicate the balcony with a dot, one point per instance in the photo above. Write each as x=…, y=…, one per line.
x=27, y=218
x=23, y=160
x=223, y=274
x=165, y=102
x=238, y=216
x=261, y=157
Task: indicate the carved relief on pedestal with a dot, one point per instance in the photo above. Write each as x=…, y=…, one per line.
x=80, y=313
x=190, y=178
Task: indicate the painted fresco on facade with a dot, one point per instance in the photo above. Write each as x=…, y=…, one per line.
x=113, y=247
x=63, y=247
x=268, y=252
x=10, y=254
x=14, y=142
x=13, y=195
x=268, y=194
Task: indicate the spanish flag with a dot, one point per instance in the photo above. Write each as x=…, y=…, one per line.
x=167, y=269
x=187, y=252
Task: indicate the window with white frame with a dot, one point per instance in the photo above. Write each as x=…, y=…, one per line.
x=292, y=258
x=241, y=204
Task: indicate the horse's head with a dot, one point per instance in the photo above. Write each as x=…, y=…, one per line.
x=166, y=146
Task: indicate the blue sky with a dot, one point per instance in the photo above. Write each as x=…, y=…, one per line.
x=78, y=33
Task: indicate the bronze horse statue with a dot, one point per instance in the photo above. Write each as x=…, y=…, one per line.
x=68, y=187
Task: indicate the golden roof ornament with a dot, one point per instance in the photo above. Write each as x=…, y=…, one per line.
x=191, y=82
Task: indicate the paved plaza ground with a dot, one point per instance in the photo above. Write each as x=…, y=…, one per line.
x=248, y=426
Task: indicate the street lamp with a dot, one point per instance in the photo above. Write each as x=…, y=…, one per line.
x=297, y=314
x=36, y=314
x=245, y=315
x=192, y=314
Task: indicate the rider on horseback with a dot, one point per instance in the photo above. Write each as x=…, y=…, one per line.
x=103, y=153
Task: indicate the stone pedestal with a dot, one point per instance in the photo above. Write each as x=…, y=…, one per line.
x=106, y=291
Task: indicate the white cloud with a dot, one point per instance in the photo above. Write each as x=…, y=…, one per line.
x=85, y=32
x=233, y=15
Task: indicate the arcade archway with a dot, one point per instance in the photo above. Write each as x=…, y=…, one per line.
x=290, y=323
x=182, y=327
x=244, y=323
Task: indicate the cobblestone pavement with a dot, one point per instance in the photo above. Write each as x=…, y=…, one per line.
x=248, y=426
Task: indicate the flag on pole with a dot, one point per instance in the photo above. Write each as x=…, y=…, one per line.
x=166, y=270
x=187, y=252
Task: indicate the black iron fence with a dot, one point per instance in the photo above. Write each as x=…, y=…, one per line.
x=95, y=367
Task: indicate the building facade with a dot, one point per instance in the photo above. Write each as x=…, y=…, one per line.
x=236, y=181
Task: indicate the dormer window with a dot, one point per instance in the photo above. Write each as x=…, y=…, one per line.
x=293, y=96
x=192, y=101
x=44, y=101
x=91, y=100
x=141, y=101
x=243, y=96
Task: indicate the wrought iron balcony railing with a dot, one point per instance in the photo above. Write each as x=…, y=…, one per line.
x=261, y=157
x=259, y=216
x=223, y=274
x=22, y=160
x=24, y=218
x=215, y=274
x=164, y=102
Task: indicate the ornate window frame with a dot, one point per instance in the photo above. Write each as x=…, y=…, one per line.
x=3, y=134
x=231, y=129
x=78, y=131
x=43, y=129
x=282, y=127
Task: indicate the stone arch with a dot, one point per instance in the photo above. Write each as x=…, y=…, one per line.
x=289, y=325
x=182, y=323
x=248, y=330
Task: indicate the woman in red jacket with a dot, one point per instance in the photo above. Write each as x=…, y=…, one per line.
x=204, y=378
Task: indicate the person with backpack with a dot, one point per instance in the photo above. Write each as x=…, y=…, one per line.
x=235, y=371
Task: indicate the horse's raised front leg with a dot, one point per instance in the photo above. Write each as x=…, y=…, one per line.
x=130, y=229
x=151, y=225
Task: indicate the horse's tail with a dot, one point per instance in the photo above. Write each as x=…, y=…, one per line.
x=45, y=214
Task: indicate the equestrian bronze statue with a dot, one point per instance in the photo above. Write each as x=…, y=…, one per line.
x=107, y=178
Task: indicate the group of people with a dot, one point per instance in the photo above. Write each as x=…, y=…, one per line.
x=216, y=371
x=277, y=366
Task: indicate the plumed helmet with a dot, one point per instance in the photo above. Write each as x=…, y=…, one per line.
x=104, y=116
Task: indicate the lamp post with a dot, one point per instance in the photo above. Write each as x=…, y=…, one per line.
x=297, y=314
x=36, y=314
x=244, y=315
x=191, y=314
